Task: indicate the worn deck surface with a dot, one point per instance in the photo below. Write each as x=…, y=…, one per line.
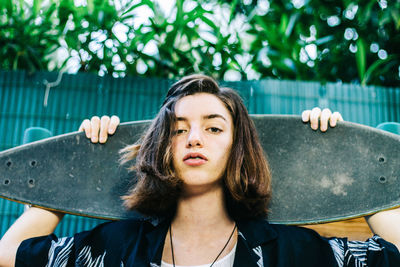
x=349, y=171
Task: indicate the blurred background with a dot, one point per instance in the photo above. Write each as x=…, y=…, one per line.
x=63, y=61
x=316, y=40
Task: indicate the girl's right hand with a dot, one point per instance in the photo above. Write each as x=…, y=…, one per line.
x=98, y=129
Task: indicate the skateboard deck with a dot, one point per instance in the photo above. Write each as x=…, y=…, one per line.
x=349, y=171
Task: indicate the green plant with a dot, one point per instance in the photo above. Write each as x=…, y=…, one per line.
x=351, y=41
x=347, y=41
x=27, y=34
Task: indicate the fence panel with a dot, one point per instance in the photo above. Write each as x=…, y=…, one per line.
x=23, y=97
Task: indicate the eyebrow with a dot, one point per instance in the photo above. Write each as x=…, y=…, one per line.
x=205, y=117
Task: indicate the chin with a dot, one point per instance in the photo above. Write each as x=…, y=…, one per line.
x=198, y=177
x=200, y=190
x=201, y=185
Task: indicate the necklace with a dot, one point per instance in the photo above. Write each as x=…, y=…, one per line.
x=219, y=254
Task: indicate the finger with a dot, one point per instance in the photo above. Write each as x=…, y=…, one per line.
x=340, y=118
x=325, y=116
x=95, y=125
x=114, y=122
x=105, y=120
x=85, y=126
x=336, y=116
x=314, y=118
x=305, y=116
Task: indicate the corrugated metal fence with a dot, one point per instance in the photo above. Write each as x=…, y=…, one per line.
x=23, y=97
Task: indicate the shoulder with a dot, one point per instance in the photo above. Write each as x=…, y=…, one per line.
x=106, y=242
x=288, y=245
x=301, y=239
x=261, y=231
x=121, y=227
x=111, y=233
x=375, y=251
x=293, y=234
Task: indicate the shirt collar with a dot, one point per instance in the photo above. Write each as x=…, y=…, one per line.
x=156, y=237
x=253, y=233
x=256, y=231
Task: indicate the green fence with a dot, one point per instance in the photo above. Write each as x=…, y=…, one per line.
x=25, y=101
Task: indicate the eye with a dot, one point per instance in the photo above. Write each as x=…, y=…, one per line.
x=214, y=130
x=179, y=131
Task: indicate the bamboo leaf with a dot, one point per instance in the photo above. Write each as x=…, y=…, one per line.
x=36, y=7
x=361, y=58
x=209, y=22
x=284, y=23
x=90, y=6
x=290, y=26
x=396, y=18
x=15, y=62
x=233, y=8
x=10, y=8
x=179, y=20
x=324, y=40
x=374, y=69
x=259, y=20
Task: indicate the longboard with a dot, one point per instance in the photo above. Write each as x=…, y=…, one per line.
x=349, y=171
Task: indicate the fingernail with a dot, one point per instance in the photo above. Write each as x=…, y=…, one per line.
x=94, y=139
x=314, y=126
x=323, y=129
x=102, y=140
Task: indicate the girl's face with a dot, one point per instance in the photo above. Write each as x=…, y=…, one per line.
x=202, y=141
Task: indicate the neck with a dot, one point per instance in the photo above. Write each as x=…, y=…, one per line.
x=202, y=211
x=200, y=229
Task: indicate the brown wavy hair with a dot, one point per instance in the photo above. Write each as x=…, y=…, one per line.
x=246, y=180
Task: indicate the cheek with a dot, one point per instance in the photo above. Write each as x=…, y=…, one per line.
x=173, y=156
x=175, y=152
x=174, y=146
x=228, y=146
x=226, y=151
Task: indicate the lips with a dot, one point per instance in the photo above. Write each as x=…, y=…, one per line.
x=194, y=159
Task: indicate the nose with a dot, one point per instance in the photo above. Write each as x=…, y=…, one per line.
x=194, y=138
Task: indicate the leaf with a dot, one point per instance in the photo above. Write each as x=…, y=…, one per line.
x=324, y=40
x=127, y=17
x=291, y=24
x=396, y=18
x=283, y=24
x=233, y=8
x=261, y=23
x=374, y=69
x=15, y=63
x=10, y=7
x=361, y=58
x=179, y=13
x=36, y=7
x=209, y=22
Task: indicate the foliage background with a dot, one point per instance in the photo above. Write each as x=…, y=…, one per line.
x=321, y=40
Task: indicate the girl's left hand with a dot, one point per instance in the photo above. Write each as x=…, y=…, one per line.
x=317, y=117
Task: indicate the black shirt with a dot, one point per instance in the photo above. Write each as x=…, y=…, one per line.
x=140, y=243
